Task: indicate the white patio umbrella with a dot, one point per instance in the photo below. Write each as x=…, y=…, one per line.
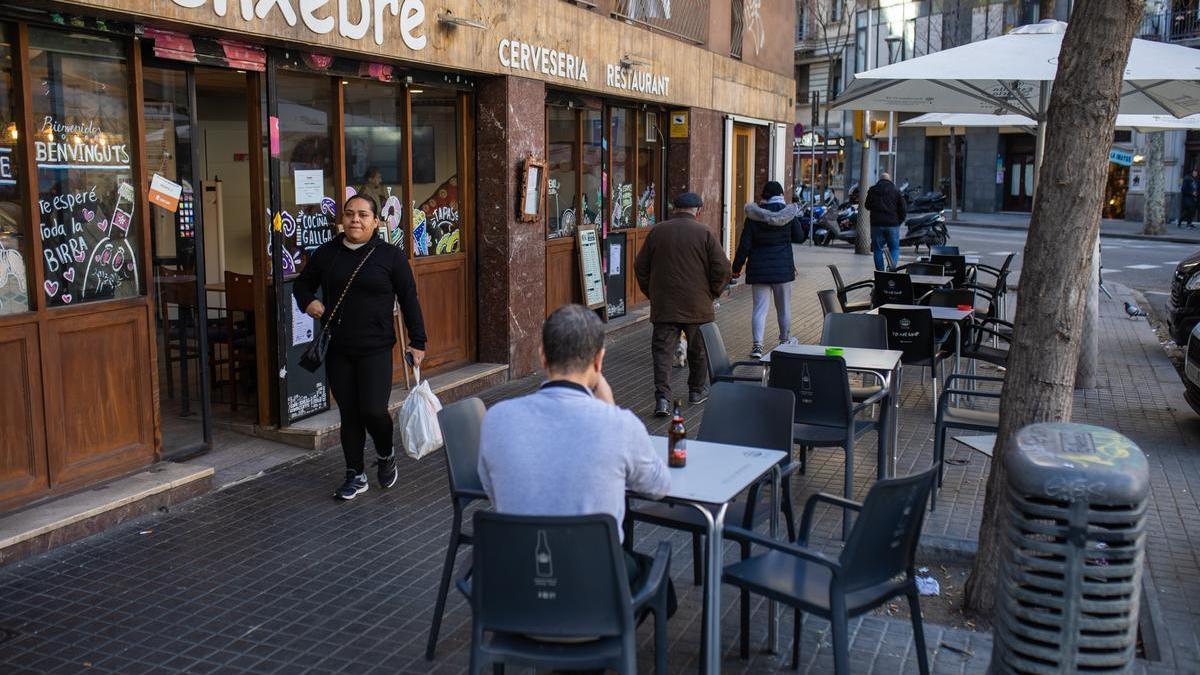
x=1012, y=74
x=1142, y=123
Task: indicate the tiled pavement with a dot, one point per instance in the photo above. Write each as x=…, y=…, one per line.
x=273, y=576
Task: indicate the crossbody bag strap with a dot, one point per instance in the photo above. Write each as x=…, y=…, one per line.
x=346, y=288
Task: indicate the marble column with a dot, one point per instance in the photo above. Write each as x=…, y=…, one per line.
x=511, y=118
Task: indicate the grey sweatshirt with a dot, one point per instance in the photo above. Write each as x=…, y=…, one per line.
x=562, y=452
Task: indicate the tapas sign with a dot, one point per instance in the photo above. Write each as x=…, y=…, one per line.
x=591, y=271
x=533, y=189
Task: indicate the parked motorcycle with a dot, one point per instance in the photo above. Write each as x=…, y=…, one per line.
x=921, y=202
x=926, y=230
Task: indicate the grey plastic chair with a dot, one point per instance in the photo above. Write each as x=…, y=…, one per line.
x=560, y=578
x=460, y=422
x=843, y=291
x=825, y=415
x=955, y=266
x=926, y=268
x=966, y=419
x=876, y=564
x=913, y=332
x=829, y=302
x=866, y=331
x=892, y=288
x=720, y=368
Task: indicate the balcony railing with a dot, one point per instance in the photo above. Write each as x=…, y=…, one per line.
x=684, y=19
x=1171, y=26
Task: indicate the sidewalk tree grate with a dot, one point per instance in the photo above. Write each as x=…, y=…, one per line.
x=8, y=634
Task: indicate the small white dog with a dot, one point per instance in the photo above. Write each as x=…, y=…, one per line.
x=681, y=352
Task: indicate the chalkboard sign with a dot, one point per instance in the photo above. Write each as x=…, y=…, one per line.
x=615, y=257
x=591, y=270
x=306, y=391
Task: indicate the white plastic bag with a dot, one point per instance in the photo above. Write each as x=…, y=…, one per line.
x=419, y=428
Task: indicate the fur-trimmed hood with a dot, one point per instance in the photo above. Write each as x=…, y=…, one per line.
x=780, y=218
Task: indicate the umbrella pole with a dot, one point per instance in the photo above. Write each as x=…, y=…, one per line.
x=953, y=175
x=1040, y=148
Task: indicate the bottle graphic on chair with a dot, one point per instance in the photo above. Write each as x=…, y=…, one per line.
x=543, y=563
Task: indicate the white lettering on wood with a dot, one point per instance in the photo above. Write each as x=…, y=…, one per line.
x=319, y=25
x=412, y=15
x=263, y=8
x=319, y=19
x=350, y=29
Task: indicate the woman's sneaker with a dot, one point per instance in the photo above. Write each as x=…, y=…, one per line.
x=356, y=484
x=387, y=470
x=756, y=351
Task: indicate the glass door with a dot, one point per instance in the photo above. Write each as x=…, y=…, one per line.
x=180, y=308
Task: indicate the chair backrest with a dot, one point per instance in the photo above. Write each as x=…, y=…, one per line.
x=829, y=302
x=892, y=287
x=955, y=266
x=950, y=297
x=555, y=576
x=943, y=250
x=461, y=422
x=868, y=331
x=239, y=292
x=910, y=331
x=883, y=542
x=926, y=268
x=819, y=383
x=714, y=351
x=838, y=283
x=749, y=415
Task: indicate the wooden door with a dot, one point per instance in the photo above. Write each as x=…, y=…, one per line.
x=743, y=180
x=22, y=438
x=562, y=273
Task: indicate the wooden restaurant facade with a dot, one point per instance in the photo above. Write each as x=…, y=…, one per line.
x=166, y=166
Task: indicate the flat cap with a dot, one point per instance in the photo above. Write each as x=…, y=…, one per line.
x=687, y=200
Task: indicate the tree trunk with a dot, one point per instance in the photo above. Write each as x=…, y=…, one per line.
x=1062, y=232
x=1089, y=342
x=863, y=245
x=1045, y=10
x=1155, y=215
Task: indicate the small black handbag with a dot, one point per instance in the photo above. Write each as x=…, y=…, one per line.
x=314, y=354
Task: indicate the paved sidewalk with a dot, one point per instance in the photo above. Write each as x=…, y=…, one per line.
x=1119, y=229
x=272, y=575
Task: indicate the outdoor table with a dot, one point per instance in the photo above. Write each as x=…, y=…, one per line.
x=885, y=362
x=714, y=475
x=930, y=280
x=969, y=259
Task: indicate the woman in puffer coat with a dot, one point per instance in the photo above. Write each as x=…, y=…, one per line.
x=765, y=248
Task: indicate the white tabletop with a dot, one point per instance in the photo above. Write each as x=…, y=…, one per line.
x=983, y=443
x=969, y=259
x=716, y=472
x=939, y=313
x=930, y=279
x=856, y=357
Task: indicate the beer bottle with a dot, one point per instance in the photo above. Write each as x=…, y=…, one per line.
x=677, y=440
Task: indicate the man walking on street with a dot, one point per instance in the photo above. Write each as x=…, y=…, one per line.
x=682, y=269
x=886, y=205
x=1187, y=200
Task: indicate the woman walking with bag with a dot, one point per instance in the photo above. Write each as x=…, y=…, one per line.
x=363, y=276
x=771, y=227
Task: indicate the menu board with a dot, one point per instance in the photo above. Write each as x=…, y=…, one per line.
x=617, y=272
x=591, y=272
x=307, y=393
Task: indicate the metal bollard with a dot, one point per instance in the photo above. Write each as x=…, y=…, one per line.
x=1071, y=570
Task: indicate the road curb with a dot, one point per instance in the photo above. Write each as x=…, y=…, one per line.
x=1111, y=235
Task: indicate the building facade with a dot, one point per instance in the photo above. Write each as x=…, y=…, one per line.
x=167, y=166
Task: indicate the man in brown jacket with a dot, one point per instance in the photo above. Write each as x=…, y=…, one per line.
x=682, y=268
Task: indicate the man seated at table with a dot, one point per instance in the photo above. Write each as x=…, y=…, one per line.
x=568, y=449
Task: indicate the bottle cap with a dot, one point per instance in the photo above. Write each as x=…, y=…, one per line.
x=965, y=308
x=834, y=351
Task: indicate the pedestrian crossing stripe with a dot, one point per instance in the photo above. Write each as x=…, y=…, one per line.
x=1141, y=267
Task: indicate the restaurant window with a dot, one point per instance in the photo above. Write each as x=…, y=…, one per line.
x=306, y=192
x=86, y=197
x=593, y=167
x=649, y=173
x=623, y=139
x=375, y=151
x=562, y=140
x=14, y=244
x=437, y=222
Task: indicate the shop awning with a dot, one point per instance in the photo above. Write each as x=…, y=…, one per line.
x=206, y=51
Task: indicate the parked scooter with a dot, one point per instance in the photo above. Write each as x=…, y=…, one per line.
x=922, y=202
x=926, y=230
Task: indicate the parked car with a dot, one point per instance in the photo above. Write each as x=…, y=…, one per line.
x=1183, y=308
x=1191, y=370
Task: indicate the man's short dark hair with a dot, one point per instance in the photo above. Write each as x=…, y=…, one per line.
x=571, y=337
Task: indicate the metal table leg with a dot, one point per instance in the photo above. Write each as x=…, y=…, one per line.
x=895, y=403
x=885, y=420
x=714, y=522
x=772, y=607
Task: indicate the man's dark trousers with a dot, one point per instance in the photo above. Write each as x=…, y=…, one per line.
x=663, y=342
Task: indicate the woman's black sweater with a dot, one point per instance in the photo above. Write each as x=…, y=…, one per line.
x=364, y=323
